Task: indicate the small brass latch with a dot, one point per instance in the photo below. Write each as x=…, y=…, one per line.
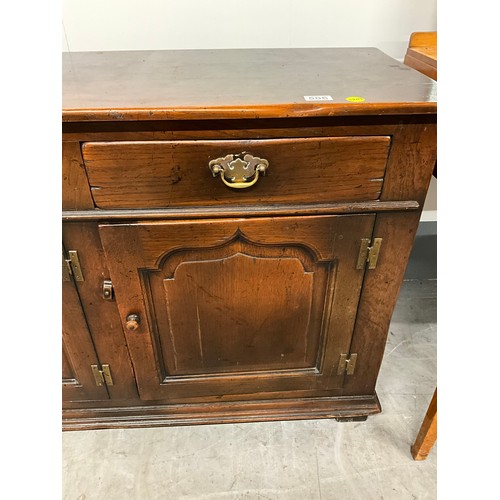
x=368, y=253
x=347, y=365
x=107, y=290
x=102, y=376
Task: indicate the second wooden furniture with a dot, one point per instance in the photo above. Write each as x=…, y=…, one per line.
x=428, y=432
x=422, y=53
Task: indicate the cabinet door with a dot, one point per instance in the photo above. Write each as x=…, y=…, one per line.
x=228, y=308
x=78, y=354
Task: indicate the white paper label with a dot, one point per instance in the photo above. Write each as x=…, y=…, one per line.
x=318, y=98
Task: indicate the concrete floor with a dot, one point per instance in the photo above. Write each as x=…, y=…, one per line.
x=306, y=460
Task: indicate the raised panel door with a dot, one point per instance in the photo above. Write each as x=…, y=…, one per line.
x=238, y=307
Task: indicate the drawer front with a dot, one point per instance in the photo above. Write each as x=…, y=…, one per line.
x=162, y=174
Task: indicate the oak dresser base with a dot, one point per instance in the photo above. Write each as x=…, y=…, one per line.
x=233, y=243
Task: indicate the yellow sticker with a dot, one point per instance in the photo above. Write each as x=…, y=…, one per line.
x=355, y=98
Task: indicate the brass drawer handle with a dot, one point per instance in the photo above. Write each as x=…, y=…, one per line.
x=240, y=170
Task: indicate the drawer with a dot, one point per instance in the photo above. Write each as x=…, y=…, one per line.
x=161, y=174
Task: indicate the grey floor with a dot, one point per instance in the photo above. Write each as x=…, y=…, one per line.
x=315, y=459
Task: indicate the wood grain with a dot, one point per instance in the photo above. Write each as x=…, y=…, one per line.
x=419, y=60
x=240, y=83
x=219, y=412
x=422, y=56
x=68, y=374
x=175, y=173
x=411, y=163
x=334, y=126
x=241, y=210
x=78, y=351
x=422, y=53
x=102, y=315
x=378, y=298
x=216, y=326
x=75, y=186
x=423, y=39
x=246, y=299
x=427, y=433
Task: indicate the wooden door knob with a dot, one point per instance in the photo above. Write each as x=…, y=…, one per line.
x=133, y=321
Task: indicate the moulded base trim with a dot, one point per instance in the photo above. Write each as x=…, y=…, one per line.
x=345, y=407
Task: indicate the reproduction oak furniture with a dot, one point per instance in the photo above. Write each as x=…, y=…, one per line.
x=236, y=226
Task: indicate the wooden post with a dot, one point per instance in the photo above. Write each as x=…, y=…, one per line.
x=428, y=432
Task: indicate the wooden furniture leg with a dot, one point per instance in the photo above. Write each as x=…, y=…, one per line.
x=428, y=432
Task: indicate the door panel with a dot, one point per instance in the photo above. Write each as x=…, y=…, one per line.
x=219, y=314
x=237, y=306
x=78, y=355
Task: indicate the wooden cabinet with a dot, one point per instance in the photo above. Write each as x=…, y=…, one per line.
x=241, y=247
x=79, y=359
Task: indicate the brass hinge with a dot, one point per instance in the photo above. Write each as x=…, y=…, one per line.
x=71, y=266
x=368, y=253
x=102, y=376
x=347, y=365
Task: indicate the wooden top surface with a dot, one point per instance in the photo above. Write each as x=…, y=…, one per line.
x=426, y=54
x=422, y=53
x=423, y=46
x=239, y=83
